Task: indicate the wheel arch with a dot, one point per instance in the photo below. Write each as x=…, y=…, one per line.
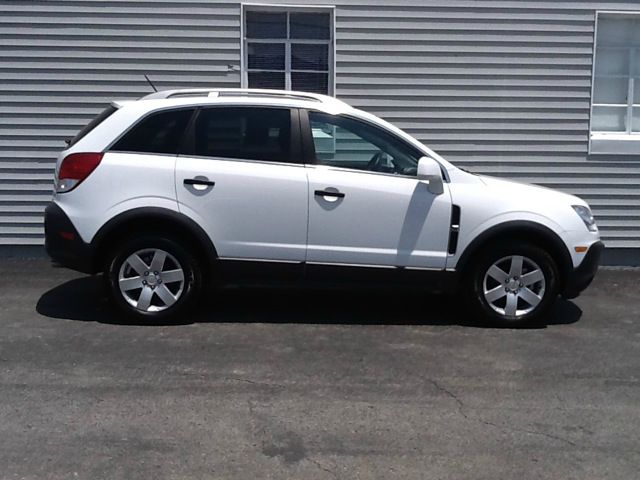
x=152, y=219
x=528, y=231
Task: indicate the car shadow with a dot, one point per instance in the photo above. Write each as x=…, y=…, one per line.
x=84, y=299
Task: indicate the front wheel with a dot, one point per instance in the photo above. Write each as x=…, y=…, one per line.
x=513, y=285
x=153, y=278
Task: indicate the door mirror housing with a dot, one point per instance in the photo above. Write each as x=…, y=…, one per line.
x=429, y=171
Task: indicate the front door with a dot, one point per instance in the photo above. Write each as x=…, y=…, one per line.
x=366, y=206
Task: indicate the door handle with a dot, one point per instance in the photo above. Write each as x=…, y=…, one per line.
x=199, y=181
x=325, y=193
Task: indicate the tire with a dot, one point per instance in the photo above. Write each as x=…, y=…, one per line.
x=153, y=279
x=508, y=292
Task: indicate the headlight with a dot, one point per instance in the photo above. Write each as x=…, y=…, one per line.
x=587, y=217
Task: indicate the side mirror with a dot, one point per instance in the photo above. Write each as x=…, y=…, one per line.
x=429, y=171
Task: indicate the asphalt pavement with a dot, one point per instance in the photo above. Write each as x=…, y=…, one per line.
x=280, y=384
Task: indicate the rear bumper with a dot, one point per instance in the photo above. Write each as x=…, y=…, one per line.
x=582, y=276
x=63, y=243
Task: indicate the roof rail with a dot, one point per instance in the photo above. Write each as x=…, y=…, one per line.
x=241, y=92
x=269, y=93
x=237, y=92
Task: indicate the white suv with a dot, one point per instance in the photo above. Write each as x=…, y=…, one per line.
x=183, y=187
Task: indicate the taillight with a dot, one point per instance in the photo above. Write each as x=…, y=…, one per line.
x=75, y=168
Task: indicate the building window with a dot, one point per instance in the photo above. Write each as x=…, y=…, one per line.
x=290, y=49
x=615, y=109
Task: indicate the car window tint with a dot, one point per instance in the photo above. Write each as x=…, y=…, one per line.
x=160, y=132
x=244, y=133
x=97, y=120
x=349, y=143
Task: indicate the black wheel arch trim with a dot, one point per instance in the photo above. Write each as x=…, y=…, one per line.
x=149, y=214
x=519, y=227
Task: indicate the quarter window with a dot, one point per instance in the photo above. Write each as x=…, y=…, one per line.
x=244, y=133
x=160, y=132
x=348, y=143
x=290, y=50
x=97, y=120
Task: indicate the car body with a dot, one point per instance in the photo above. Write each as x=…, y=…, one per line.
x=286, y=186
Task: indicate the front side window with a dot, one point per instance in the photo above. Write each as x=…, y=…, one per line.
x=244, y=133
x=160, y=132
x=288, y=50
x=616, y=79
x=349, y=143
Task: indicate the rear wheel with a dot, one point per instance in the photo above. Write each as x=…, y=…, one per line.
x=153, y=278
x=513, y=285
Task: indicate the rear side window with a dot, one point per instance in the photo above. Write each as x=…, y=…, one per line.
x=245, y=133
x=160, y=132
x=101, y=117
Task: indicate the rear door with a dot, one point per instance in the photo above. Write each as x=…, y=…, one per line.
x=241, y=178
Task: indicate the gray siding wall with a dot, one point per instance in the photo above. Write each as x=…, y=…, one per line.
x=498, y=87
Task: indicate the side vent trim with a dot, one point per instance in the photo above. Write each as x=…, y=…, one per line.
x=454, y=230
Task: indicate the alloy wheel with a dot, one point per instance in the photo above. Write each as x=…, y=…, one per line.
x=514, y=286
x=151, y=280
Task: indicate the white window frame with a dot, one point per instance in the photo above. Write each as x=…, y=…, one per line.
x=614, y=143
x=262, y=7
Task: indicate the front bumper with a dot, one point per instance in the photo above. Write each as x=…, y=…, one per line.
x=582, y=276
x=63, y=243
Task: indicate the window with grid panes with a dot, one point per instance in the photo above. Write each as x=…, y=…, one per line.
x=288, y=50
x=616, y=82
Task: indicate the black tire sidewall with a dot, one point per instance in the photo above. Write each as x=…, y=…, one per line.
x=192, y=275
x=475, y=282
